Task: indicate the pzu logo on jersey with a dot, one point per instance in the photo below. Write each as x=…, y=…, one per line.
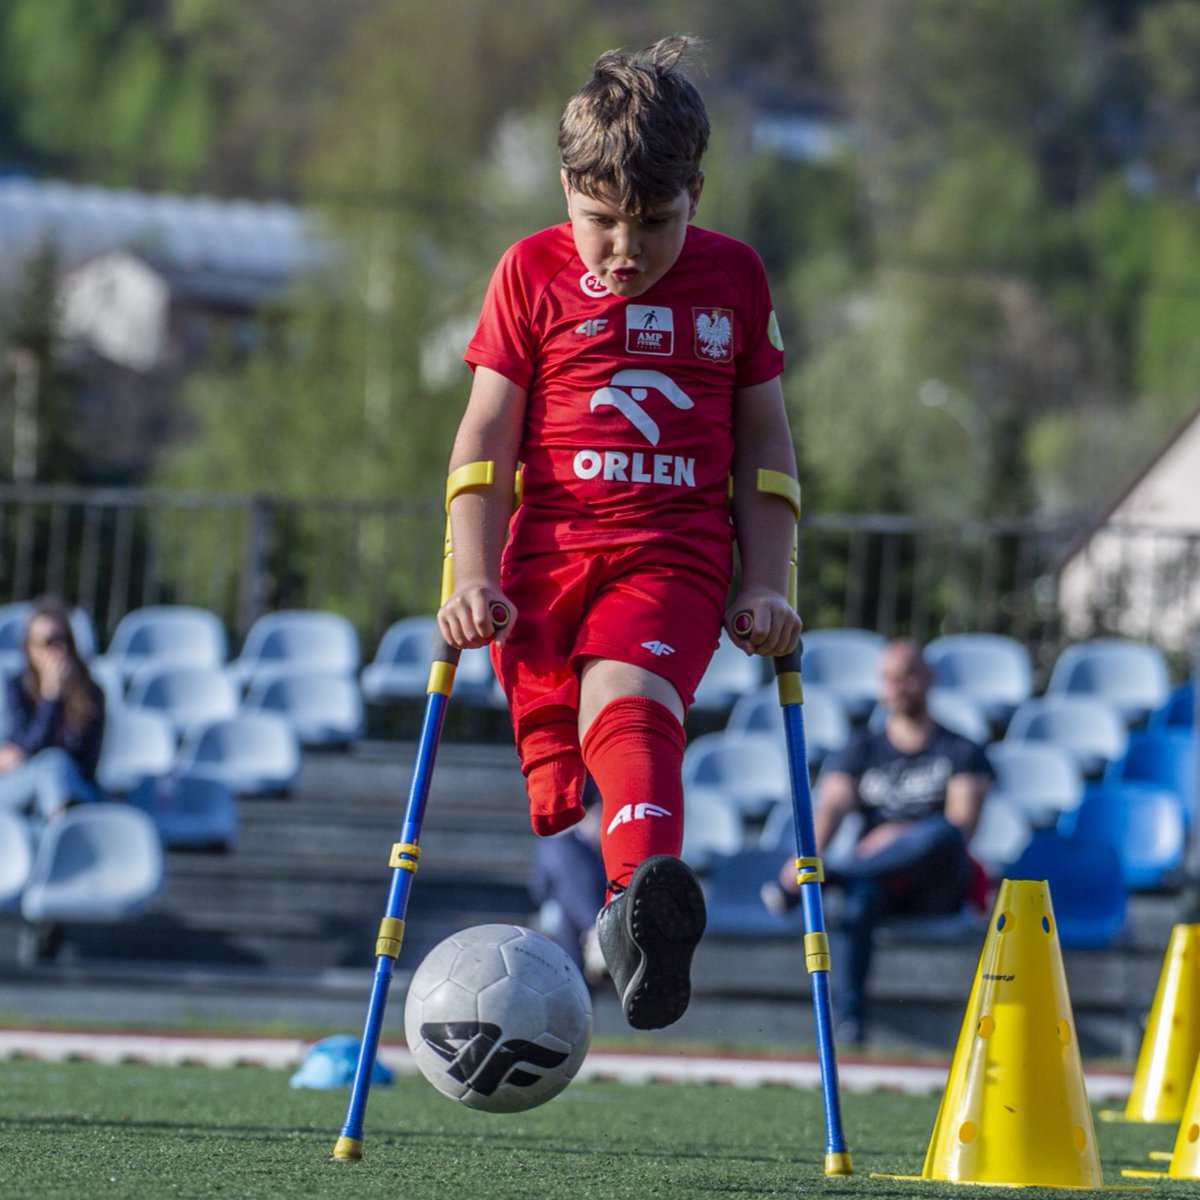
x=480, y=1060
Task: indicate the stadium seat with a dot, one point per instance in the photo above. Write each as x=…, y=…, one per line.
x=13, y=619
x=98, y=863
x=954, y=710
x=731, y=674
x=1179, y=711
x=138, y=744
x=251, y=753
x=186, y=696
x=176, y=635
x=847, y=662
x=309, y=640
x=750, y=770
x=475, y=681
x=1041, y=778
x=1089, y=727
x=1129, y=674
x=826, y=723
x=992, y=668
x=711, y=826
x=733, y=893
x=189, y=813
x=1144, y=824
x=16, y=858
x=324, y=710
x=1161, y=758
x=1086, y=890
x=400, y=668
x=1002, y=833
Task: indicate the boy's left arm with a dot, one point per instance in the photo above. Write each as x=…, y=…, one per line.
x=764, y=523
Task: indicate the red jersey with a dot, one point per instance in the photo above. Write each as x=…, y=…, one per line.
x=628, y=421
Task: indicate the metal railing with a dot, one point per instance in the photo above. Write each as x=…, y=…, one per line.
x=113, y=550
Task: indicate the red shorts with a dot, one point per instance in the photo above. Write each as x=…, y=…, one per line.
x=650, y=605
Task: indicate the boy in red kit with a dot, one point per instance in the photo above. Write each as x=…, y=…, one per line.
x=630, y=361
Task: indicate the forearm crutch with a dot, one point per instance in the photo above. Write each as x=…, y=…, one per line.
x=406, y=852
x=810, y=872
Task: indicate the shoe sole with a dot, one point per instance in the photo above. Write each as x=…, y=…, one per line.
x=665, y=919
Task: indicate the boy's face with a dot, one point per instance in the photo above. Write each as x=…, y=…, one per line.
x=628, y=254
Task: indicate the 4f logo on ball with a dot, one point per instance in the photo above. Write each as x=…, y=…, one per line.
x=481, y=1061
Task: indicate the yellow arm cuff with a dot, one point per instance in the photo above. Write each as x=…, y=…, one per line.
x=469, y=475
x=778, y=483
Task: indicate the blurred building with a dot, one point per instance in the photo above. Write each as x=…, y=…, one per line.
x=149, y=287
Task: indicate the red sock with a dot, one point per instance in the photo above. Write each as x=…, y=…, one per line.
x=553, y=769
x=634, y=752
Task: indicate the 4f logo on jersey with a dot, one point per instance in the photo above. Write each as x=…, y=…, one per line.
x=592, y=327
x=480, y=1060
x=714, y=333
x=658, y=649
x=649, y=329
x=637, y=812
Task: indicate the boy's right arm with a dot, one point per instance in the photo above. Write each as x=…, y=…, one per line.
x=490, y=431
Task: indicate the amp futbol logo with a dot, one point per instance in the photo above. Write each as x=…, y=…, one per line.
x=480, y=1060
x=714, y=333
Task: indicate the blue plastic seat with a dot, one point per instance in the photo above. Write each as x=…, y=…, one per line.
x=324, y=710
x=176, y=635
x=1161, y=758
x=1179, y=711
x=1143, y=823
x=400, y=668
x=847, y=662
x=251, y=753
x=749, y=769
x=99, y=863
x=733, y=892
x=297, y=640
x=826, y=722
x=1090, y=727
x=731, y=674
x=186, y=696
x=992, y=668
x=189, y=813
x=1086, y=890
x=138, y=744
x=1043, y=779
x=1129, y=674
x=16, y=858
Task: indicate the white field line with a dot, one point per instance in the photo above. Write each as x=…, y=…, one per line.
x=286, y=1053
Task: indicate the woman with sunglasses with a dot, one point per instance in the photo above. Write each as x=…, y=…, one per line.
x=56, y=714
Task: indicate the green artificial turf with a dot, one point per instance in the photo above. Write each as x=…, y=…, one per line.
x=85, y=1131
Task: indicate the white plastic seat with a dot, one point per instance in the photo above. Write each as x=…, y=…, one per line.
x=400, y=668
x=138, y=744
x=251, y=753
x=826, y=722
x=731, y=673
x=1043, y=779
x=188, y=812
x=186, y=696
x=324, y=710
x=297, y=640
x=1129, y=674
x=98, y=863
x=1089, y=727
x=16, y=858
x=1001, y=834
x=750, y=770
x=847, y=662
x=951, y=709
x=162, y=635
x=475, y=680
x=711, y=826
x=992, y=668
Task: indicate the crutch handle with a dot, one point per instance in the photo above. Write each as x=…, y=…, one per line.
x=500, y=613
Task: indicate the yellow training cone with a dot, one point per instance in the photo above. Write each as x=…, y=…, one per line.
x=1171, y=1043
x=1015, y=1111
x=1185, y=1157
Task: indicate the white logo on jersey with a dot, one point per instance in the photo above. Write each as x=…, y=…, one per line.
x=590, y=285
x=649, y=329
x=658, y=649
x=594, y=326
x=629, y=402
x=637, y=812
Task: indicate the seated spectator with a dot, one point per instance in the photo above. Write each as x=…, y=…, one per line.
x=56, y=714
x=920, y=790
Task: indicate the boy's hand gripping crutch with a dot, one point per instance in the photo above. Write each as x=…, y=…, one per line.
x=809, y=870
x=406, y=851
